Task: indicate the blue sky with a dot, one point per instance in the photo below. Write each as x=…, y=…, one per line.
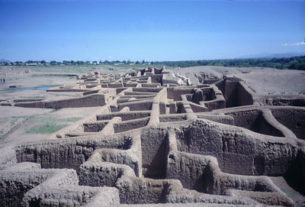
x=149, y=30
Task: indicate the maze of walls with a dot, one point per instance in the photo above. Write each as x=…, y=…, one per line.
x=157, y=141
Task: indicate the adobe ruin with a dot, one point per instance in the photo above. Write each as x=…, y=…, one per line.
x=158, y=140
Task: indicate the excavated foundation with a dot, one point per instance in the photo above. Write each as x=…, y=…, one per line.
x=156, y=141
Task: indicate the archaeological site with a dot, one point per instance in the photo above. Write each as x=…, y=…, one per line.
x=160, y=139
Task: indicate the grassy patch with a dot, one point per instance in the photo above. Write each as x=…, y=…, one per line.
x=49, y=125
x=72, y=119
x=2, y=132
x=46, y=128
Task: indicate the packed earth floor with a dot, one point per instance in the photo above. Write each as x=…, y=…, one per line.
x=156, y=139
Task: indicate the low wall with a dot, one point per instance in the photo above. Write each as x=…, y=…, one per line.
x=254, y=121
x=95, y=126
x=125, y=115
x=129, y=125
x=237, y=151
x=188, y=168
x=175, y=93
x=67, y=153
x=86, y=101
x=136, y=106
x=135, y=190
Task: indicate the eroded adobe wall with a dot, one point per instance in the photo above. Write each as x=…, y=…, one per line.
x=154, y=152
x=237, y=151
x=189, y=169
x=255, y=121
x=69, y=153
x=292, y=118
x=86, y=101
x=295, y=175
x=235, y=93
x=166, y=145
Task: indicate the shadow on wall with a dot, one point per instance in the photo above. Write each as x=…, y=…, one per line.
x=295, y=175
x=154, y=152
x=65, y=154
x=254, y=121
x=234, y=93
x=294, y=119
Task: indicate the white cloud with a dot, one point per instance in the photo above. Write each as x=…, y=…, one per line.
x=294, y=44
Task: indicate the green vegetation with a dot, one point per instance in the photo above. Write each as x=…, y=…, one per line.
x=71, y=119
x=51, y=124
x=10, y=125
x=46, y=128
x=297, y=62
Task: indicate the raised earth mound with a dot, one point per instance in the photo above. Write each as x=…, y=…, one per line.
x=158, y=140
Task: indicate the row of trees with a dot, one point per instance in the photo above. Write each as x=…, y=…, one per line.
x=71, y=62
x=297, y=62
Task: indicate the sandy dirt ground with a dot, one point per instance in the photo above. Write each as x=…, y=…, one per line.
x=37, y=124
x=275, y=82
x=31, y=84
x=263, y=81
x=18, y=124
